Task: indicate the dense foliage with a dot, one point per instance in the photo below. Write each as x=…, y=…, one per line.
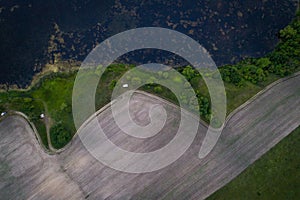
x=242, y=81
x=283, y=61
x=60, y=135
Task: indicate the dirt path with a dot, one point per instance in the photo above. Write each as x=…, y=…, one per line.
x=250, y=132
x=48, y=123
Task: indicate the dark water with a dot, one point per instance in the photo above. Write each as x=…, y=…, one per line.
x=229, y=30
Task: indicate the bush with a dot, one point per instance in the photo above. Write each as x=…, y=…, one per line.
x=165, y=75
x=158, y=89
x=189, y=72
x=112, y=84
x=136, y=81
x=60, y=136
x=204, y=107
x=253, y=74
x=263, y=63
x=231, y=74
x=287, y=33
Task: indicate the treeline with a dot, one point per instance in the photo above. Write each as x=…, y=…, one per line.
x=55, y=90
x=283, y=61
x=194, y=78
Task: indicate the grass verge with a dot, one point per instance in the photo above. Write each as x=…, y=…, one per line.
x=274, y=176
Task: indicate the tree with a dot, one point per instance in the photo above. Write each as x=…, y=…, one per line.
x=165, y=75
x=260, y=75
x=195, y=82
x=253, y=73
x=158, y=89
x=235, y=76
x=189, y=72
x=152, y=80
x=204, y=108
x=63, y=106
x=231, y=74
x=60, y=136
x=136, y=81
x=287, y=33
x=112, y=84
x=263, y=63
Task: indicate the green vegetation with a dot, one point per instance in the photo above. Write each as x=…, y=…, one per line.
x=283, y=61
x=52, y=95
x=60, y=135
x=274, y=176
x=25, y=103
x=56, y=92
x=108, y=81
x=251, y=75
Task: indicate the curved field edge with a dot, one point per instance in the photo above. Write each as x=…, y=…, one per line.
x=51, y=93
x=273, y=176
x=193, y=174
x=55, y=92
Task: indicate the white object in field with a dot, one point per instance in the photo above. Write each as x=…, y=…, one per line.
x=42, y=116
x=125, y=85
x=3, y=113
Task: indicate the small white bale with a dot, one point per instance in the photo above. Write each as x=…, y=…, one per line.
x=125, y=85
x=42, y=116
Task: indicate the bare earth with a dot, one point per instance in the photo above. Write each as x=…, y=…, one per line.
x=27, y=172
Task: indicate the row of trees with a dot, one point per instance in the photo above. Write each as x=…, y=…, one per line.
x=283, y=61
